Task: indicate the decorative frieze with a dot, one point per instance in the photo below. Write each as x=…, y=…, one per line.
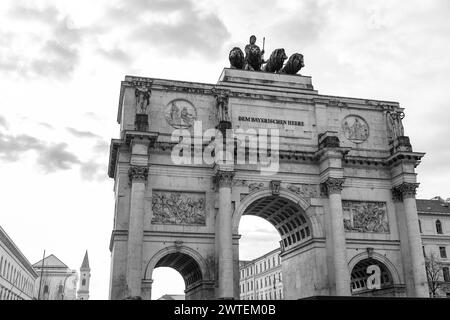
x=304, y=190
x=404, y=190
x=174, y=207
x=255, y=186
x=365, y=216
x=332, y=185
x=138, y=173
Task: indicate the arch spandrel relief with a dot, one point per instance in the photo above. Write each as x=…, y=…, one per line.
x=365, y=216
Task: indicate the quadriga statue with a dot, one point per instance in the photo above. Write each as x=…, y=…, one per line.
x=253, y=59
x=236, y=57
x=276, y=61
x=294, y=64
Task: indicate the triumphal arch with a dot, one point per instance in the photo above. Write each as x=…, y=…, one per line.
x=334, y=175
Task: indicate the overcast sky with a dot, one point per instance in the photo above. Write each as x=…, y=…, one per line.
x=61, y=63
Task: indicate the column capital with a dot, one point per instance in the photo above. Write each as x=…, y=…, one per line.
x=223, y=178
x=404, y=190
x=332, y=185
x=138, y=173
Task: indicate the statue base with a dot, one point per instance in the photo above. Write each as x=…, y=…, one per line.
x=141, y=122
x=223, y=126
x=261, y=80
x=401, y=144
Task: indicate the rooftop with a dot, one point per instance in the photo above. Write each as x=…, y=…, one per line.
x=435, y=205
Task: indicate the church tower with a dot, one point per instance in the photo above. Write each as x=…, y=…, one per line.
x=85, y=275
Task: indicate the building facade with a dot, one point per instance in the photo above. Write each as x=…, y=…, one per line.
x=56, y=281
x=341, y=198
x=434, y=226
x=17, y=276
x=261, y=278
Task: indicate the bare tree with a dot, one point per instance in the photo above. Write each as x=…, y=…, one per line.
x=434, y=269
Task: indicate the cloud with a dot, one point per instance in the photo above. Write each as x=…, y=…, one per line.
x=46, y=125
x=3, y=122
x=101, y=147
x=93, y=171
x=82, y=134
x=56, y=157
x=47, y=44
x=12, y=147
x=116, y=55
x=50, y=156
x=303, y=23
x=178, y=28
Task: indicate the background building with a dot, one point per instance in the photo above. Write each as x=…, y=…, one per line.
x=58, y=282
x=257, y=276
x=85, y=275
x=434, y=225
x=17, y=276
x=261, y=279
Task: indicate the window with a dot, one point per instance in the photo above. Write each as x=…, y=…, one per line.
x=446, y=273
x=420, y=226
x=45, y=289
x=443, y=252
x=83, y=283
x=438, y=227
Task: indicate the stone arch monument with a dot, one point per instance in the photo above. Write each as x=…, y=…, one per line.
x=342, y=194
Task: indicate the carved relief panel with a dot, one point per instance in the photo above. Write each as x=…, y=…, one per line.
x=365, y=216
x=355, y=128
x=175, y=207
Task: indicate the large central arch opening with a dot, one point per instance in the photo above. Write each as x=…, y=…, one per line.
x=184, y=265
x=283, y=222
x=286, y=216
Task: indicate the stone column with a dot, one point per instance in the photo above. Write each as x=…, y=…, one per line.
x=147, y=289
x=225, y=235
x=138, y=178
x=407, y=192
x=333, y=188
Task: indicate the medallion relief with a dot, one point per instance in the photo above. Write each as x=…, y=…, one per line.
x=180, y=114
x=174, y=207
x=365, y=216
x=355, y=129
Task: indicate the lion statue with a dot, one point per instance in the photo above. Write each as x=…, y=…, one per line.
x=276, y=61
x=254, y=59
x=294, y=64
x=236, y=58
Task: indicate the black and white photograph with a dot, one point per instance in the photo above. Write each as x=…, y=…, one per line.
x=245, y=152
